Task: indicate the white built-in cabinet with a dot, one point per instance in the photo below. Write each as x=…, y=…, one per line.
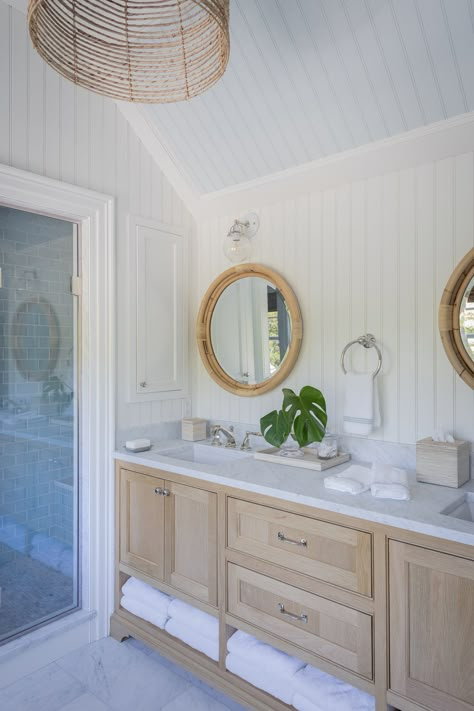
x=157, y=311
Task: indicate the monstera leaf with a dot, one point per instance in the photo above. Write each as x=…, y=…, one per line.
x=275, y=427
x=307, y=413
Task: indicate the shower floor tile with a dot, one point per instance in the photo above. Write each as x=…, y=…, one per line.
x=31, y=592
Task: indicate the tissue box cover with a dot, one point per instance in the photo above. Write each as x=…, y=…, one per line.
x=443, y=463
x=193, y=429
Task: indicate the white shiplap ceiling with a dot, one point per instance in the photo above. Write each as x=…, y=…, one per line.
x=308, y=79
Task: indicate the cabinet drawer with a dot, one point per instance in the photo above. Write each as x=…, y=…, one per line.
x=317, y=625
x=336, y=554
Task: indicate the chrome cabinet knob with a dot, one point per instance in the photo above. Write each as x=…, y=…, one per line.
x=159, y=490
x=166, y=492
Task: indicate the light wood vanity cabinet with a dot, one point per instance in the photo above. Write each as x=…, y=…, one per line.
x=388, y=610
x=431, y=612
x=168, y=532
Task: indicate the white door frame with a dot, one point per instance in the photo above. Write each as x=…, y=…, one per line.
x=95, y=214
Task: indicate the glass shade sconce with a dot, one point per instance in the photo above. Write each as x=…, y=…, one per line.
x=237, y=244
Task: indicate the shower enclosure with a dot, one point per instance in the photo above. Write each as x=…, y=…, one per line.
x=39, y=483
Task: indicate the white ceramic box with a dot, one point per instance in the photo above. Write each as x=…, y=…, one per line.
x=443, y=463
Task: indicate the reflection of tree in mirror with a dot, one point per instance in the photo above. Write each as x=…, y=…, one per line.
x=274, y=341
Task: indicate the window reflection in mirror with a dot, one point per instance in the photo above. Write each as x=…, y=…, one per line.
x=466, y=319
x=250, y=330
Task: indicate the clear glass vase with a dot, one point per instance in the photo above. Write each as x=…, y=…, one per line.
x=291, y=448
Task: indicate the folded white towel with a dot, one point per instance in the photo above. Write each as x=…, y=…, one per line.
x=301, y=703
x=262, y=655
x=193, y=637
x=389, y=482
x=330, y=693
x=390, y=491
x=146, y=612
x=386, y=474
x=353, y=480
x=148, y=595
x=190, y=616
x=263, y=677
x=361, y=404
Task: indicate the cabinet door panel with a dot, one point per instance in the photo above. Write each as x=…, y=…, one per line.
x=431, y=627
x=191, y=547
x=142, y=523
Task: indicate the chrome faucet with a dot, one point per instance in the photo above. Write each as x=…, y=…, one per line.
x=246, y=440
x=216, y=430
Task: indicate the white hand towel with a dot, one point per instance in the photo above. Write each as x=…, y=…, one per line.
x=261, y=677
x=262, y=655
x=329, y=692
x=353, y=480
x=361, y=404
x=148, y=595
x=146, y=612
x=190, y=616
x=390, y=491
x=195, y=639
x=389, y=482
x=301, y=703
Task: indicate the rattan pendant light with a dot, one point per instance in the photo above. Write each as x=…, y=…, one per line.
x=149, y=51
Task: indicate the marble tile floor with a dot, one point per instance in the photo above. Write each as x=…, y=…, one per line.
x=109, y=676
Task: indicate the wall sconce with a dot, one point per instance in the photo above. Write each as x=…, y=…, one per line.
x=237, y=245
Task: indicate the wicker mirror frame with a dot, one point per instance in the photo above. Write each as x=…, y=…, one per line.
x=203, y=329
x=449, y=312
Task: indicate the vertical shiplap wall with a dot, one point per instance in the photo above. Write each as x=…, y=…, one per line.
x=52, y=128
x=371, y=256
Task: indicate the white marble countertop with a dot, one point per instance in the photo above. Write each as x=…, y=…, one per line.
x=303, y=486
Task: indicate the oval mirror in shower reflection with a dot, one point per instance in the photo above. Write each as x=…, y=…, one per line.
x=249, y=329
x=35, y=339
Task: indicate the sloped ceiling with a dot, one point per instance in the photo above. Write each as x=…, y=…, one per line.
x=308, y=79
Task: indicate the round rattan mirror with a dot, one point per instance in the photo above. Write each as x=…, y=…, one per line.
x=456, y=318
x=249, y=329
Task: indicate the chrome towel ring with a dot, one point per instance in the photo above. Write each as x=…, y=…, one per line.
x=368, y=341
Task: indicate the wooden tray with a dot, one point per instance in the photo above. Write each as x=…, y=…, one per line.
x=309, y=461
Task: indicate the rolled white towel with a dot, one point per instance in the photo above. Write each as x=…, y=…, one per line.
x=353, y=480
x=189, y=616
x=301, y=703
x=146, y=612
x=262, y=676
x=149, y=596
x=330, y=693
x=262, y=655
x=193, y=637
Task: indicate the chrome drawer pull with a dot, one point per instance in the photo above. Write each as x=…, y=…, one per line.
x=284, y=539
x=299, y=618
x=166, y=492
x=158, y=490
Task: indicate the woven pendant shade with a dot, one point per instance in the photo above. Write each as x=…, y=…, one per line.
x=148, y=51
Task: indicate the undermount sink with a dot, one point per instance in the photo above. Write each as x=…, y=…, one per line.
x=204, y=454
x=462, y=508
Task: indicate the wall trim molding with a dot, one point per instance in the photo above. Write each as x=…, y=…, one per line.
x=94, y=213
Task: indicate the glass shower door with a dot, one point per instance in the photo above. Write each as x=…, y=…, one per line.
x=38, y=421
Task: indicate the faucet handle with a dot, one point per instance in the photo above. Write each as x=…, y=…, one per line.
x=216, y=440
x=246, y=440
